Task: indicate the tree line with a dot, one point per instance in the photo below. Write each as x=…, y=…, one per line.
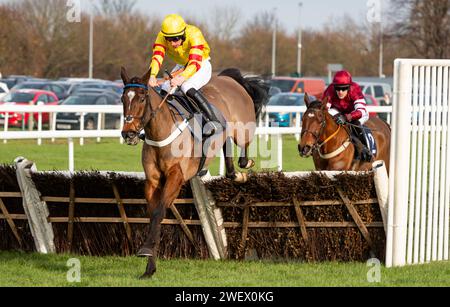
x=37, y=39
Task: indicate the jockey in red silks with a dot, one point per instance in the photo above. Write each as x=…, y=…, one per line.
x=347, y=104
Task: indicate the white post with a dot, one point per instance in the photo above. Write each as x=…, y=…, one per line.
x=53, y=127
x=280, y=152
x=122, y=119
x=71, y=155
x=399, y=169
x=99, y=125
x=39, y=128
x=297, y=125
x=6, y=125
x=82, y=128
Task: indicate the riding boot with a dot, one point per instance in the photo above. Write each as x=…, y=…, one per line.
x=206, y=109
x=365, y=153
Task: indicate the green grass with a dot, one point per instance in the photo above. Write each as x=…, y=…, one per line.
x=110, y=155
x=20, y=269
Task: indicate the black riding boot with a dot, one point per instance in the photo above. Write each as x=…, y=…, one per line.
x=365, y=153
x=206, y=109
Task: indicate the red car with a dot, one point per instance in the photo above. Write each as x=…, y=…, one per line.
x=27, y=97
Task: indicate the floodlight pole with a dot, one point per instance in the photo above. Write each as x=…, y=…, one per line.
x=91, y=43
x=299, y=43
x=274, y=44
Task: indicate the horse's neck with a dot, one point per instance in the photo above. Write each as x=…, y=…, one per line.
x=159, y=127
x=330, y=128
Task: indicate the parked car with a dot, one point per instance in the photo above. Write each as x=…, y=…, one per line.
x=312, y=86
x=27, y=97
x=50, y=86
x=286, y=119
x=9, y=82
x=99, y=85
x=382, y=92
x=371, y=101
x=71, y=121
x=3, y=89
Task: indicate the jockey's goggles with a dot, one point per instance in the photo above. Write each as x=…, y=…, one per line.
x=341, y=88
x=174, y=39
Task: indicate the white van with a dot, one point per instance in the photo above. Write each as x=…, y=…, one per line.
x=382, y=92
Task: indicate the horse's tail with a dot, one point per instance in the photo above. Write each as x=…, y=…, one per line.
x=255, y=87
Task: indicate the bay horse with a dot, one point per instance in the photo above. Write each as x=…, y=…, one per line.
x=330, y=144
x=170, y=160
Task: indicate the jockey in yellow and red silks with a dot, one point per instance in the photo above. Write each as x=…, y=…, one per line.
x=186, y=45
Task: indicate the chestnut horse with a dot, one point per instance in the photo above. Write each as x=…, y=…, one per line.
x=170, y=158
x=330, y=145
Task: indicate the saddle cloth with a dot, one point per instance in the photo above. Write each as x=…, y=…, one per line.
x=369, y=139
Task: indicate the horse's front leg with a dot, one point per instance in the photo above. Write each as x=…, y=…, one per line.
x=157, y=213
x=173, y=184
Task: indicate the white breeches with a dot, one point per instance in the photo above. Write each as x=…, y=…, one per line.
x=197, y=81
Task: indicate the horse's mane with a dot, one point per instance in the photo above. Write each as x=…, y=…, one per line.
x=255, y=87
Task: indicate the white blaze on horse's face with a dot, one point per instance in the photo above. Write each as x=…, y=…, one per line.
x=311, y=115
x=131, y=95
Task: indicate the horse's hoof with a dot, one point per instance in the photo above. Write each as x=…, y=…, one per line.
x=145, y=252
x=241, y=178
x=250, y=164
x=146, y=276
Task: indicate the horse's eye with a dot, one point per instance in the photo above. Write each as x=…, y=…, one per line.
x=142, y=99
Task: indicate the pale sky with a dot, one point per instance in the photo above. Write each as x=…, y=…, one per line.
x=315, y=13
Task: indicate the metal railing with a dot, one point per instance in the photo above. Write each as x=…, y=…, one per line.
x=264, y=128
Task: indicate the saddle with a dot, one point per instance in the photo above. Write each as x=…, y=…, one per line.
x=189, y=111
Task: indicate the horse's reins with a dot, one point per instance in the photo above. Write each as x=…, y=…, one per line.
x=318, y=146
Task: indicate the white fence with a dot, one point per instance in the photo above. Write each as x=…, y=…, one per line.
x=418, y=221
x=263, y=129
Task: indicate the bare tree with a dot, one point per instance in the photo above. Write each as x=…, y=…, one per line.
x=116, y=7
x=424, y=25
x=224, y=21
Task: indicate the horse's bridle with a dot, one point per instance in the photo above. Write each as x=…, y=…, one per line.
x=315, y=134
x=317, y=146
x=153, y=113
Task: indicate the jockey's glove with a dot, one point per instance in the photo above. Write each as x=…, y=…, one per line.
x=340, y=119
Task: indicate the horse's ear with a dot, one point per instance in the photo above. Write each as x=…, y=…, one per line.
x=146, y=77
x=325, y=102
x=307, y=100
x=124, y=75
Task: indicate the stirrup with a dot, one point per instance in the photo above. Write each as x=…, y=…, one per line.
x=215, y=126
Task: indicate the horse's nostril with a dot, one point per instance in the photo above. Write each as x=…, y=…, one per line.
x=128, y=134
